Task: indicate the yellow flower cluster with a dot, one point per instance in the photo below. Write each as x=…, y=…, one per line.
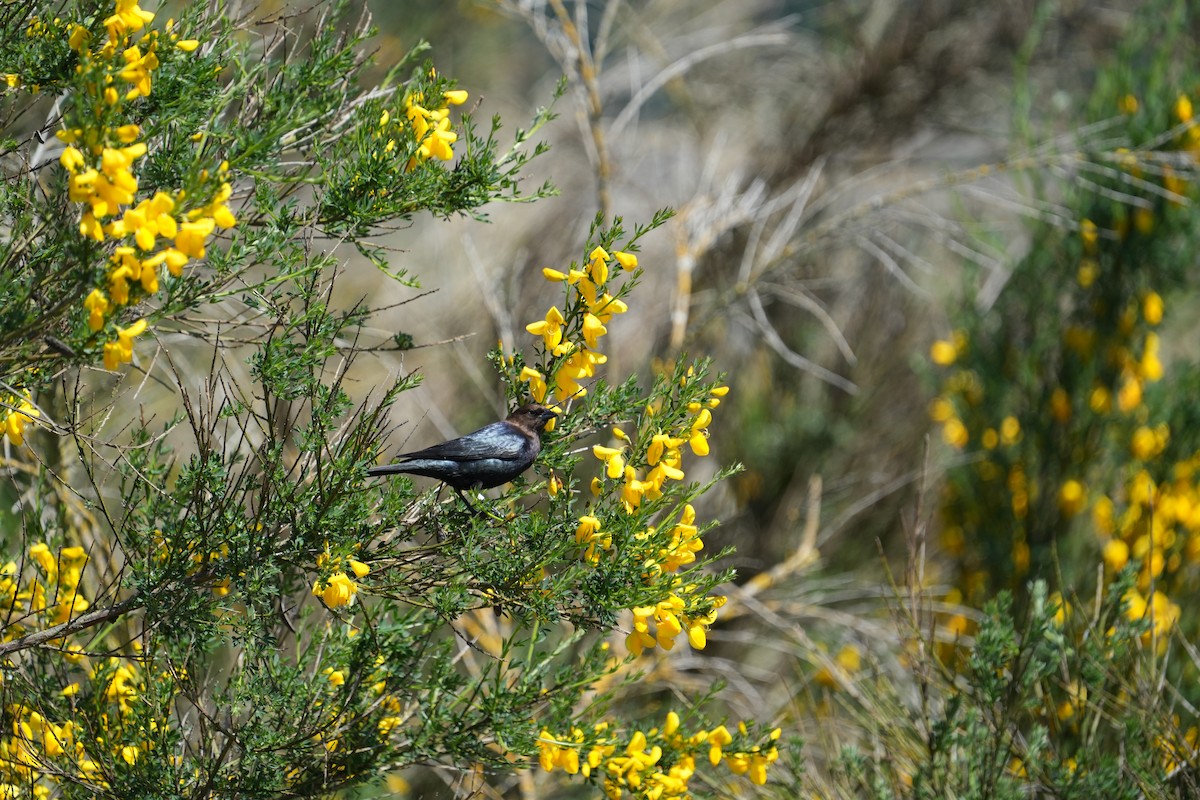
x=661, y=623
x=571, y=344
x=1159, y=525
x=657, y=764
x=16, y=411
x=1180, y=749
x=339, y=589
x=663, y=454
x=1157, y=608
x=681, y=611
x=430, y=128
x=51, y=598
x=99, y=158
x=40, y=754
x=34, y=739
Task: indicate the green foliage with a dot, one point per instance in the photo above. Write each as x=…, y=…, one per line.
x=1063, y=701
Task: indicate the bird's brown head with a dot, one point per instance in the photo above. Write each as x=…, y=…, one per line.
x=532, y=417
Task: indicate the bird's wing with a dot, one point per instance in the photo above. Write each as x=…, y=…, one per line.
x=497, y=440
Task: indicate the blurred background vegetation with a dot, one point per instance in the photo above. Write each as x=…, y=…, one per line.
x=854, y=182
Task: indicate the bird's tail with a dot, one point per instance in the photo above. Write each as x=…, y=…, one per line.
x=386, y=469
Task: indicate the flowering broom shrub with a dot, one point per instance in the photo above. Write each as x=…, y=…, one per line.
x=1073, y=429
x=202, y=594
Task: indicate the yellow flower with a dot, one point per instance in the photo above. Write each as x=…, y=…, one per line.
x=187, y=45
x=1010, y=430
x=613, y=459
x=1147, y=443
x=536, y=381
x=943, y=353
x=1090, y=235
x=1183, y=108
x=455, y=97
x=941, y=409
x=593, y=329
x=697, y=436
x=1088, y=269
x=1102, y=516
x=955, y=434
x=606, y=306
x=1129, y=396
x=589, y=535
x=550, y=329
x=1152, y=308
x=78, y=38
x=1072, y=497
x=1062, y=608
x=1100, y=400
x=129, y=18
x=137, y=71
x=338, y=591
x=718, y=738
x=1128, y=104
x=189, y=238
x=96, y=305
x=628, y=261
x=581, y=364
x=71, y=159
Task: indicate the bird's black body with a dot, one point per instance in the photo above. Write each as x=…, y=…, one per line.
x=490, y=456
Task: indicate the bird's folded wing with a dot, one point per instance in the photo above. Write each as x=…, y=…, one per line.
x=497, y=440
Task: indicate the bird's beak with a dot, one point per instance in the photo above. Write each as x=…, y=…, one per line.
x=548, y=413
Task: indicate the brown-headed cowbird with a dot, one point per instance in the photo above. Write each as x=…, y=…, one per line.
x=490, y=456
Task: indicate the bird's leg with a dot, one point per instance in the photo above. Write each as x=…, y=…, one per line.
x=477, y=511
x=463, y=497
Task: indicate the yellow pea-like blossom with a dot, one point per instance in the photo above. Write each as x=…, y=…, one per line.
x=955, y=434
x=1072, y=497
x=606, y=306
x=1183, y=108
x=96, y=305
x=1100, y=400
x=129, y=18
x=943, y=352
x=550, y=328
x=1129, y=396
x=593, y=329
x=628, y=261
x=613, y=458
x=1090, y=235
x=190, y=237
x=536, y=381
x=337, y=592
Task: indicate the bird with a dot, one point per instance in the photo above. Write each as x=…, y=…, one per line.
x=483, y=459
